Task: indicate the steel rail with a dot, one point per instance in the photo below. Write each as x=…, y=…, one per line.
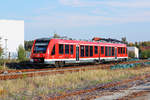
x=105, y=86
x=40, y=72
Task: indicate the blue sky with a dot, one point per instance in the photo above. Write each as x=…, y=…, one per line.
x=81, y=19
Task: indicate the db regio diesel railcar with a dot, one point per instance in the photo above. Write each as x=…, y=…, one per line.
x=61, y=51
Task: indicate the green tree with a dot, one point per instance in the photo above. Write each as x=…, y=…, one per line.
x=1, y=51
x=56, y=36
x=143, y=54
x=21, y=53
x=28, y=45
x=124, y=40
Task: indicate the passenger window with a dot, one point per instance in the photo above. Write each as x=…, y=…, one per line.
x=86, y=51
x=121, y=50
x=53, y=51
x=91, y=50
x=61, y=49
x=96, y=49
x=71, y=47
x=113, y=49
x=106, y=51
x=82, y=51
x=66, y=49
x=102, y=50
x=109, y=51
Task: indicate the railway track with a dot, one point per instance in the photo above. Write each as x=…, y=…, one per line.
x=112, y=86
x=14, y=74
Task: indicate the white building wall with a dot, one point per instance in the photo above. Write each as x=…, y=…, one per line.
x=13, y=31
x=135, y=50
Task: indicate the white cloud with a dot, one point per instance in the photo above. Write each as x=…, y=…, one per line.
x=79, y=3
x=131, y=4
x=79, y=20
x=127, y=3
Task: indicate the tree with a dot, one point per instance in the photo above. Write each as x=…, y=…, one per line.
x=124, y=40
x=1, y=51
x=28, y=45
x=56, y=36
x=21, y=53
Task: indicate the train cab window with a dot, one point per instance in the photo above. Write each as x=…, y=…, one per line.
x=82, y=51
x=71, y=49
x=66, y=49
x=86, y=51
x=53, y=51
x=113, y=50
x=106, y=51
x=109, y=51
x=102, y=50
x=126, y=51
x=96, y=49
x=91, y=50
x=61, y=48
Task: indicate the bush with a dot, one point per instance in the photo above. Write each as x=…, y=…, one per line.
x=145, y=54
x=21, y=53
x=131, y=54
x=1, y=51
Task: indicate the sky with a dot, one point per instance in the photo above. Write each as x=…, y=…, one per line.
x=81, y=19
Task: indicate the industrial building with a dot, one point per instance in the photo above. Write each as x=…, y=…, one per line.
x=135, y=50
x=11, y=36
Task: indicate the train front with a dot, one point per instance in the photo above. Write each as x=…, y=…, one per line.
x=39, y=50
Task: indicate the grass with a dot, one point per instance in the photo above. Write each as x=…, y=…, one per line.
x=43, y=87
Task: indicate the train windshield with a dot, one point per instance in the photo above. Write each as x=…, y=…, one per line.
x=41, y=46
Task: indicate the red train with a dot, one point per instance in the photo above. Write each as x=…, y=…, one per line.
x=61, y=51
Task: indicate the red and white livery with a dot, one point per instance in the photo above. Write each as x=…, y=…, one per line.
x=61, y=51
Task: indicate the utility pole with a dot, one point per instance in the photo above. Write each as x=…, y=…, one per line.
x=6, y=48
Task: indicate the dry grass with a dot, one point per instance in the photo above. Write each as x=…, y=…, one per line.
x=31, y=88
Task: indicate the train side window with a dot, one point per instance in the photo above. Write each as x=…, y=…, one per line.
x=53, y=51
x=110, y=51
x=121, y=50
x=118, y=50
x=91, y=50
x=106, y=51
x=61, y=48
x=71, y=49
x=66, y=49
x=87, y=51
x=96, y=49
x=102, y=50
x=113, y=49
x=82, y=51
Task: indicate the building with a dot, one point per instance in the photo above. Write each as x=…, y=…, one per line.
x=135, y=50
x=11, y=36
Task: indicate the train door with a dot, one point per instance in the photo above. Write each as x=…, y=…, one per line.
x=115, y=52
x=99, y=54
x=77, y=53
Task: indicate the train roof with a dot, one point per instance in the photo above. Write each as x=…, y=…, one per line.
x=64, y=40
x=88, y=42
